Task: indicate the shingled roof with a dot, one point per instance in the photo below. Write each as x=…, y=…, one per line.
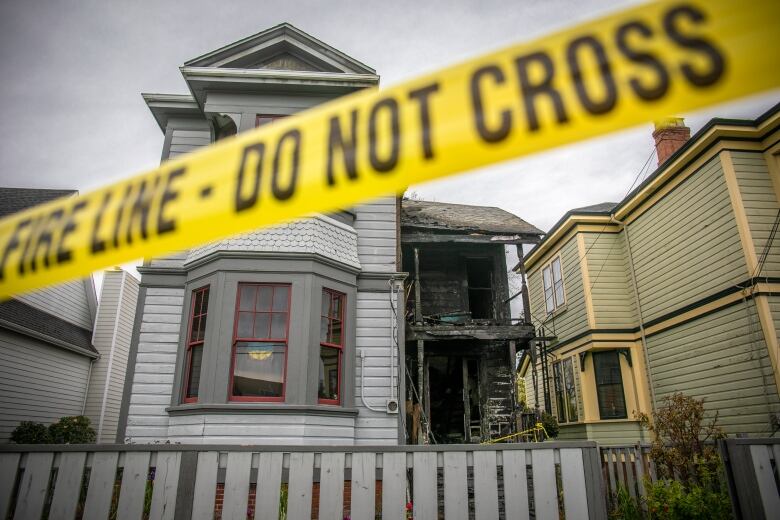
x=461, y=218
x=13, y=200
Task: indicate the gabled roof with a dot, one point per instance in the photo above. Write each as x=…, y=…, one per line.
x=283, y=47
x=13, y=200
x=463, y=219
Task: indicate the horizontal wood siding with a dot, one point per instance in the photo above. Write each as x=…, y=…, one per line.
x=67, y=301
x=610, y=283
x=721, y=357
x=38, y=382
x=375, y=223
x=761, y=206
x=265, y=428
x=373, y=336
x=571, y=320
x=610, y=433
x=686, y=246
x=187, y=140
x=155, y=365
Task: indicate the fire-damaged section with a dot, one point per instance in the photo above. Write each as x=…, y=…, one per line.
x=461, y=339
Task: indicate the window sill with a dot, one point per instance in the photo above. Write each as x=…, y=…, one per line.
x=260, y=408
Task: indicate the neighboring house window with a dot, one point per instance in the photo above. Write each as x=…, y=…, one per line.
x=553, y=285
x=331, y=346
x=565, y=392
x=609, y=385
x=260, y=342
x=195, y=339
x=264, y=119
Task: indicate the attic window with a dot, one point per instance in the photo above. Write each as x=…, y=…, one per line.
x=264, y=119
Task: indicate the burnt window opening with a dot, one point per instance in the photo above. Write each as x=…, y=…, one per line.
x=479, y=275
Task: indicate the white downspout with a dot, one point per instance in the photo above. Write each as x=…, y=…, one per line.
x=362, y=385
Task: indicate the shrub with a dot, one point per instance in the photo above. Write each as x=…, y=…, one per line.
x=625, y=506
x=72, y=430
x=29, y=432
x=550, y=424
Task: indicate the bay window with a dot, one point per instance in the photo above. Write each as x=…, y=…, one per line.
x=260, y=335
x=195, y=339
x=331, y=346
x=609, y=385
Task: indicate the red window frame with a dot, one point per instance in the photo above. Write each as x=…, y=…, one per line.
x=272, y=117
x=330, y=294
x=284, y=340
x=197, y=343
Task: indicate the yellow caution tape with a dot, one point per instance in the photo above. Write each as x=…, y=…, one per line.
x=626, y=69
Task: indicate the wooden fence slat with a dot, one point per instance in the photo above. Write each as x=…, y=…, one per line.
x=299, y=491
x=205, y=485
x=612, y=484
x=363, y=485
x=485, y=485
x=767, y=488
x=101, y=485
x=619, y=468
x=651, y=466
x=269, y=482
x=639, y=467
x=10, y=464
x=236, y=498
x=629, y=472
x=134, y=477
x=68, y=485
x=456, y=497
x=575, y=500
x=332, y=486
x=166, y=482
x=775, y=452
x=545, y=487
x=425, y=498
x=33, y=486
x=515, y=485
x=393, y=486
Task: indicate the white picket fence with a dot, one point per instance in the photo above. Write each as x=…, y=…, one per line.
x=517, y=481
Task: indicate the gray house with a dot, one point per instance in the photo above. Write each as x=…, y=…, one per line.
x=287, y=335
x=61, y=353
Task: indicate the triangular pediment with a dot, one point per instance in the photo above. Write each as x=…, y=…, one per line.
x=283, y=47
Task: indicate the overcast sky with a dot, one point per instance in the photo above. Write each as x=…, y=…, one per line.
x=73, y=72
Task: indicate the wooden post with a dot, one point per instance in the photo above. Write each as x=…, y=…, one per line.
x=524, y=286
x=513, y=391
x=417, y=305
x=421, y=431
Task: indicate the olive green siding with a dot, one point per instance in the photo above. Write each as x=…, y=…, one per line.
x=761, y=207
x=572, y=319
x=572, y=432
x=686, y=246
x=611, y=291
x=721, y=357
x=606, y=433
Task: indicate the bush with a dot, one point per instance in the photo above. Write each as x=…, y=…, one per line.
x=29, y=432
x=671, y=500
x=550, y=424
x=72, y=430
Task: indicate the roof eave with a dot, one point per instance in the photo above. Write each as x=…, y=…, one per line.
x=162, y=106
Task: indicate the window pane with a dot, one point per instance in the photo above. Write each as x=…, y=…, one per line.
x=246, y=297
x=548, y=300
x=197, y=303
x=609, y=385
x=201, y=329
x=194, y=326
x=245, y=323
x=264, y=298
x=571, y=391
x=559, y=299
x=560, y=400
x=335, y=311
x=204, y=302
x=329, y=373
x=258, y=369
x=547, y=279
x=262, y=324
x=556, y=269
x=281, y=298
x=193, y=377
x=335, y=332
x=324, y=329
x=279, y=325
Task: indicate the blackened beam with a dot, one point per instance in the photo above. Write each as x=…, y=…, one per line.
x=445, y=332
x=429, y=238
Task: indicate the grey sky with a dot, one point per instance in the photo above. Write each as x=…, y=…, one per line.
x=72, y=73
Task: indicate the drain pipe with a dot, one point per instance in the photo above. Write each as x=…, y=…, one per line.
x=363, y=386
x=639, y=314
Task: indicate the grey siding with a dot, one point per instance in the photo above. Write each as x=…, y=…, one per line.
x=687, y=246
x=67, y=301
x=376, y=225
x=184, y=140
x=111, y=338
x=761, y=206
x=374, y=338
x=721, y=357
x=155, y=365
x=38, y=382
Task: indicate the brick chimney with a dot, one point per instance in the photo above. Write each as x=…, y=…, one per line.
x=670, y=134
